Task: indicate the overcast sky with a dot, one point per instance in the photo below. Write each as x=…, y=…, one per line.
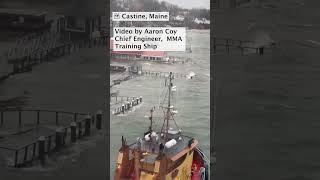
x=190, y=3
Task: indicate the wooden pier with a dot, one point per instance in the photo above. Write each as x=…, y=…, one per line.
x=160, y=74
x=134, y=73
x=117, y=68
x=126, y=105
x=27, y=146
x=118, y=78
x=239, y=47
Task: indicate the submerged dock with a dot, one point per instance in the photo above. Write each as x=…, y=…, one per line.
x=59, y=93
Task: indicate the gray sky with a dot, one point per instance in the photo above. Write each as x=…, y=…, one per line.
x=190, y=3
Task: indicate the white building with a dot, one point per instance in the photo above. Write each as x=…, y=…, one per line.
x=179, y=18
x=201, y=21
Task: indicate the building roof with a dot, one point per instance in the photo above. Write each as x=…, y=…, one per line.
x=153, y=53
x=129, y=53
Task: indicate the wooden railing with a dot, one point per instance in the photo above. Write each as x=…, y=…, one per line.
x=37, y=112
x=241, y=45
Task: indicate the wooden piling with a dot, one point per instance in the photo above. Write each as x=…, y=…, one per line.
x=34, y=150
x=122, y=108
x=214, y=45
x=25, y=154
x=49, y=144
x=2, y=118
x=92, y=119
x=20, y=118
x=87, y=125
x=47, y=55
x=57, y=118
x=73, y=132
x=75, y=117
x=99, y=120
x=59, y=138
x=65, y=133
x=261, y=51
x=16, y=159
x=79, y=129
x=42, y=141
x=38, y=117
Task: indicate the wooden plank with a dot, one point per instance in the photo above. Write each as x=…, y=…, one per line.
x=184, y=151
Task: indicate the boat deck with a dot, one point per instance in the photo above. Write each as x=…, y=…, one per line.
x=154, y=147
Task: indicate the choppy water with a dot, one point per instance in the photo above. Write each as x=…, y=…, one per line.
x=192, y=98
x=73, y=83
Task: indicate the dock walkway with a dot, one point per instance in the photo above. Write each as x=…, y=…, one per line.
x=77, y=72
x=239, y=47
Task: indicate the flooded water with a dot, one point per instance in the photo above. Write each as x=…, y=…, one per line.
x=192, y=98
x=73, y=83
x=267, y=107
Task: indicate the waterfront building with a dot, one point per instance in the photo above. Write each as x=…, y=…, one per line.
x=23, y=20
